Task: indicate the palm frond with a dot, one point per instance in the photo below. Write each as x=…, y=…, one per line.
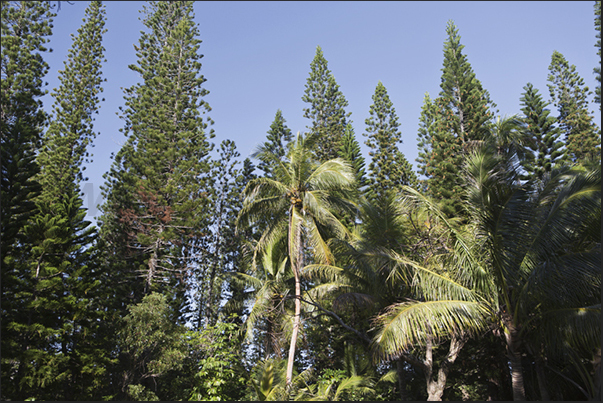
x=577, y=328
x=573, y=279
x=332, y=175
x=411, y=323
x=322, y=272
x=432, y=283
x=357, y=383
x=320, y=248
x=320, y=291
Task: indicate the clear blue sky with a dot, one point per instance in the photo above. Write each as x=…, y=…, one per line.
x=257, y=58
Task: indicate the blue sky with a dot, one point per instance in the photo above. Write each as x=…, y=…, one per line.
x=257, y=59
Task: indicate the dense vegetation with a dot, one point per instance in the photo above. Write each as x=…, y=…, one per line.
x=316, y=276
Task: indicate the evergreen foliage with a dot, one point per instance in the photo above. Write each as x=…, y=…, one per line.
x=326, y=108
x=156, y=208
x=463, y=118
x=222, y=255
x=350, y=151
x=569, y=94
x=479, y=282
x=388, y=169
x=427, y=131
x=542, y=130
x=25, y=27
x=278, y=138
x=597, y=70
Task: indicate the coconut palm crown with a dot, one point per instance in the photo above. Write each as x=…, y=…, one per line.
x=300, y=199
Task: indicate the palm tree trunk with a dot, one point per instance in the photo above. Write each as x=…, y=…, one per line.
x=514, y=354
x=428, y=371
x=544, y=393
x=435, y=387
x=296, y=265
x=539, y=364
x=296, y=322
x=597, y=377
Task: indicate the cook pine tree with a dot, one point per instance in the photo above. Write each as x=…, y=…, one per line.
x=569, y=95
x=326, y=108
x=463, y=119
x=350, y=151
x=155, y=219
x=67, y=272
x=389, y=169
x=279, y=136
x=597, y=70
x=26, y=27
x=222, y=257
x=425, y=134
x=542, y=129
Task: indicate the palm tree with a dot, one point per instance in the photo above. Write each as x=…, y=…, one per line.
x=270, y=280
x=300, y=200
x=269, y=382
x=541, y=248
x=441, y=299
x=378, y=274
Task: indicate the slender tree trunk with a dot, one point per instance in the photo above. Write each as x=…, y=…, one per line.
x=296, y=322
x=153, y=262
x=435, y=387
x=428, y=370
x=401, y=379
x=544, y=393
x=597, y=362
x=296, y=265
x=514, y=354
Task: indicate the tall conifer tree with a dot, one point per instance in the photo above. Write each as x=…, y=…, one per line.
x=464, y=117
x=350, y=151
x=222, y=254
x=278, y=137
x=326, y=108
x=597, y=70
x=427, y=130
x=156, y=210
x=542, y=130
x=66, y=269
x=388, y=168
x=25, y=27
x=569, y=94
x=236, y=291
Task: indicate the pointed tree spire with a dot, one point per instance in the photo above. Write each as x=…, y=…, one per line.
x=350, y=151
x=543, y=132
x=569, y=94
x=278, y=138
x=326, y=108
x=425, y=134
x=464, y=118
x=388, y=168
